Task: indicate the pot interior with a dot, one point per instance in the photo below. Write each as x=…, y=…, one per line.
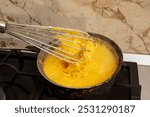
x=98, y=38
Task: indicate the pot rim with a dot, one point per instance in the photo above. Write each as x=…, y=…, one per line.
x=99, y=36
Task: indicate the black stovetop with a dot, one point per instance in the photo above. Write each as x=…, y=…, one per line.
x=21, y=80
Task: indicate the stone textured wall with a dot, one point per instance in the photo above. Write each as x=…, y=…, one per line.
x=127, y=22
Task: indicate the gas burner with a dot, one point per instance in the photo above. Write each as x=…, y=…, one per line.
x=21, y=80
x=2, y=94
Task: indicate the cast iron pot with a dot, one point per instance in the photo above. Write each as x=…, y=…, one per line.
x=99, y=91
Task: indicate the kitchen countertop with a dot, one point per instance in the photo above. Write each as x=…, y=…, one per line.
x=144, y=79
x=127, y=22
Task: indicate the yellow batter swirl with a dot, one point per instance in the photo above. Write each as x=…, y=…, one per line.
x=97, y=66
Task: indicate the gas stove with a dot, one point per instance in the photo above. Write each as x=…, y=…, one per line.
x=21, y=80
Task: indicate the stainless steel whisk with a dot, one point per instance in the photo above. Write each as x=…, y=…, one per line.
x=45, y=38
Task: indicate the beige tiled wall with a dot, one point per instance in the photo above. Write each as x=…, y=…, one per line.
x=127, y=22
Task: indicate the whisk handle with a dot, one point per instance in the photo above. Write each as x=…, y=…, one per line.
x=2, y=26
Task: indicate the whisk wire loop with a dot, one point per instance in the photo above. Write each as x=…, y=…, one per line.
x=46, y=38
